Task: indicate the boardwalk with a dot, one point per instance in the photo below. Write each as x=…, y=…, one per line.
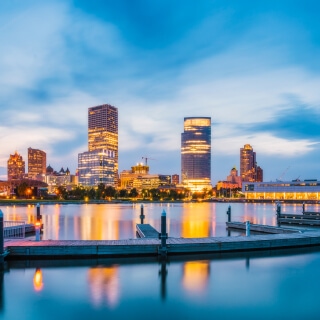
x=149, y=247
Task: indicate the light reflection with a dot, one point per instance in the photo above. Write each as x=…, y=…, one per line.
x=104, y=285
x=196, y=276
x=37, y=280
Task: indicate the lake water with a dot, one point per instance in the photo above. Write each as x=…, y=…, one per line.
x=280, y=284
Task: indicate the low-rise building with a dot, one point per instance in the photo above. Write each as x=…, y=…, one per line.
x=283, y=190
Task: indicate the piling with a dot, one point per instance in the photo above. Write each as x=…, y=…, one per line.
x=303, y=208
x=1, y=237
x=38, y=213
x=247, y=228
x=142, y=216
x=229, y=213
x=278, y=213
x=37, y=228
x=163, y=236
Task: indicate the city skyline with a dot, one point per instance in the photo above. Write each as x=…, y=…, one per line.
x=252, y=67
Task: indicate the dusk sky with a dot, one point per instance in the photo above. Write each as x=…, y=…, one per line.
x=252, y=66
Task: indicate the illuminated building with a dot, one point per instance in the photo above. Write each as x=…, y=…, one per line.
x=16, y=166
x=56, y=179
x=103, y=131
x=234, y=178
x=175, y=179
x=140, y=178
x=37, y=162
x=196, y=153
x=95, y=167
x=249, y=171
x=280, y=190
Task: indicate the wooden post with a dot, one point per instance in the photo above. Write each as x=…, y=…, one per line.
x=278, y=213
x=163, y=236
x=1, y=236
x=142, y=216
x=247, y=228
x=303, y=208
x=229, y=213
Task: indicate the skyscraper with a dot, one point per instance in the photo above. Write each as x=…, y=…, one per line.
x=103, y=131
x=16, y=166
x=196, y=153
x=249, y=171
x=37, y=163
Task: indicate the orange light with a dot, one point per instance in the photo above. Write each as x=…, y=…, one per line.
x=37, y=280
x=38, y=224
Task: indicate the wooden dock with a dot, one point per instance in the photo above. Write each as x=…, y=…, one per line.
x=308, y=219
x=147, y=231
x=50, y=249
x=260, y=228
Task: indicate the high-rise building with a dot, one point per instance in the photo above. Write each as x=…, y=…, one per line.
x=196, y=153
x=95, y=167
x=37, y=163
x=175, y=179
x=103, y=131
x=249, y=171
x=16, y=166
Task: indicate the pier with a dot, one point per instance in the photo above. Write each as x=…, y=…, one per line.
x=147, y=231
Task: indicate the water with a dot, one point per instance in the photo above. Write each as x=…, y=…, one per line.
x=280, y=284
x=117, y=221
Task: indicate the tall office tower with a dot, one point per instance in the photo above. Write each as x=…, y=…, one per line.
x=16, y=166
x=103, y=131
x=249, y=171
x=37, y=163
x=196, y=153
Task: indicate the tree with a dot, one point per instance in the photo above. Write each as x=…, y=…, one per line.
x=133, y=193
x=123, y=193
x=22, y=189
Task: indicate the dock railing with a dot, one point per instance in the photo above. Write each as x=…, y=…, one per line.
x=14, y=229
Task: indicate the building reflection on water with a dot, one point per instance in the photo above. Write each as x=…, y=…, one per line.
x=196, y=276
x=37, y=280
x=104, y=285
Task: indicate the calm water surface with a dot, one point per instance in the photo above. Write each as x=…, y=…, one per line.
x=118, y=221
x=258, y=285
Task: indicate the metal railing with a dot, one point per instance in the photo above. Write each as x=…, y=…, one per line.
x=14, y=229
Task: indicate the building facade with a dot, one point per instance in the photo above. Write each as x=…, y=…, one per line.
x=282, y=190
x=37, y=163
x=103, y=131
x=95, y=167
x=234, y=178
x=16, y=166
x=196, y=153
x=249, y=171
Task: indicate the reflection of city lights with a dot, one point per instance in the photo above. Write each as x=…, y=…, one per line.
x=37, y=280
x=104, y=285
x=196, y=275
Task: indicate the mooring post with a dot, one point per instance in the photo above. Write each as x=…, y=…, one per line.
x=303, y=208
x=1, y=237
x=229, y=213
x=163, y=236
x=278, y=213
x=38, y=227
x=38, y=212
x=247, y=228
x=142, y=216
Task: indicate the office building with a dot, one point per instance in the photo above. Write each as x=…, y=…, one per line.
x=16, y=166
x=249, y=171
x=196, y=153
x=96, y=167
x=103, y=131
x=37, y=163
x=175, y=179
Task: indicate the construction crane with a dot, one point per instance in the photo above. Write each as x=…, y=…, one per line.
x=283, y=174
x=147, y=158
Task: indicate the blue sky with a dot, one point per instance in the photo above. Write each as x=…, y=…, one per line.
x=252, y=66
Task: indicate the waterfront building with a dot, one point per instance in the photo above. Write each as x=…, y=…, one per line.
x=16, y=166
x=249, y=171
x=37, y=162
x=196, y=153
x=95, y=167
x=103, y=131
x=282, y=190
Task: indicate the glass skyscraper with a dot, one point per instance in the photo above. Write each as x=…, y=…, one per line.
x=196, y=153
x=103, y=131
